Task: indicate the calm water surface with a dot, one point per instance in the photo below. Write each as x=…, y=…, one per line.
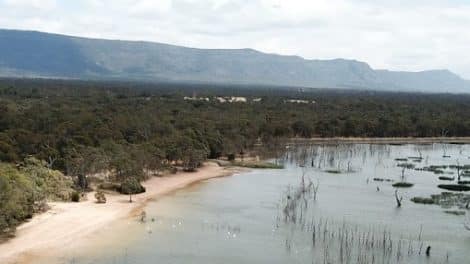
x=240, y=219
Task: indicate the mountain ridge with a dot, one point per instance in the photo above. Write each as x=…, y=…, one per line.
x=38, y=54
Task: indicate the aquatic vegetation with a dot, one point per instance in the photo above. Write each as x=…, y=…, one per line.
x=333, y=171
x=296, y=200
x=416, y=159
x=454, y=187
x=434, y=167
x=341, y=242
x=406, y=165
x=382, y=180
x=462, y=167
x=403, y=185
x=445, y=200
x=455, y=212
x=401, y=159
x=465, y=173
x=445, y=178
x=422, y=200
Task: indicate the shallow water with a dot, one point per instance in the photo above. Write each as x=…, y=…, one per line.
x=240, y=219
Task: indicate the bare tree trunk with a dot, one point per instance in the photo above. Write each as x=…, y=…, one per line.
x=315, y=190
x=398, y=199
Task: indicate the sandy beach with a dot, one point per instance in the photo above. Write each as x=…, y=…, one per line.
x=67, y=222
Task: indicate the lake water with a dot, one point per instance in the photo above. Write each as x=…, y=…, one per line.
x=354, y=219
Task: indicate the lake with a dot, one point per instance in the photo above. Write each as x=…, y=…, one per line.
x=271, y=216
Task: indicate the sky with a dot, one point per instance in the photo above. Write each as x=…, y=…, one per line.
x=412, y=35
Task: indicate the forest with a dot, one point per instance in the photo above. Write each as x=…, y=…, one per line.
x=53, y=128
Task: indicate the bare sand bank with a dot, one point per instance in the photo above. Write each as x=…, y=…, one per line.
x=54, y=230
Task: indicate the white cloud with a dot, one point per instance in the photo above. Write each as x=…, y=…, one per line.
x=400, y=35
x=38, y=5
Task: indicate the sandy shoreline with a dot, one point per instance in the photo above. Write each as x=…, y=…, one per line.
x=67, y=222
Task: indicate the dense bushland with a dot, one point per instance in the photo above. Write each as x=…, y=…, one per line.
x=24, y=190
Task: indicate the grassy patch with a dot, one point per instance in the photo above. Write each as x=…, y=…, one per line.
x=258, y=165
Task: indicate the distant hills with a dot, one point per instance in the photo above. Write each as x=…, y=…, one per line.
x=37, y=54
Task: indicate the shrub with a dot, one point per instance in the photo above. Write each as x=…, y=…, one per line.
x=51, y=183
x=231, y=157
x=17, y=197
x=25, y=190
x=75, y=196
x=109, y=186
x=100, y=197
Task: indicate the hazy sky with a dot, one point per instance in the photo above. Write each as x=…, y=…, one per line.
x=394, y=34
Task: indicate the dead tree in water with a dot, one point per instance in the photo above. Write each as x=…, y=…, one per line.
x=398, y=199
x=466, y=224
x=315, y=189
